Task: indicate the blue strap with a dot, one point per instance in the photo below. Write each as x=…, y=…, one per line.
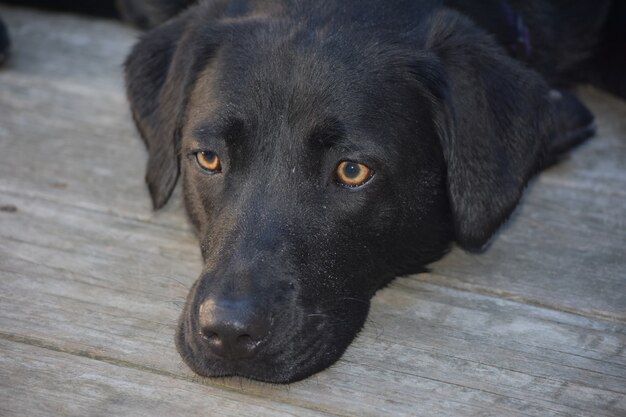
x=521, y=47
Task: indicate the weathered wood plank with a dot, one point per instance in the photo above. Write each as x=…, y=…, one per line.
x=62, y=99
x=39, y=382
x=452, y=352
x=77, y=50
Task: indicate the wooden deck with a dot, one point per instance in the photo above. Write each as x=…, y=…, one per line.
x=92, y=281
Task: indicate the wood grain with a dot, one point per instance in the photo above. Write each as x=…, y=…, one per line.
x=40, y=382
x=92, y=281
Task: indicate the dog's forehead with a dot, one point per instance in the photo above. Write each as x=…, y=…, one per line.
x=297, y=81
x=271, y=85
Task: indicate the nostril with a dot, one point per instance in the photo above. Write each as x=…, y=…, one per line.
x=245, y=339
x=229, y=343
x=209, y=335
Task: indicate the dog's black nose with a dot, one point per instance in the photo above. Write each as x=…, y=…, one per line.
x=233, y=329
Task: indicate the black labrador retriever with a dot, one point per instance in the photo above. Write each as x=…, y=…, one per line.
x=326, y=147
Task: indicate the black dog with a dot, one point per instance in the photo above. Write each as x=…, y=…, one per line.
x=328, y=146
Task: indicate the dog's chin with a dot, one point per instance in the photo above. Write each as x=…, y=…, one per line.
x=294, y=355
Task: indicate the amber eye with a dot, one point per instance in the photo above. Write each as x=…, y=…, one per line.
x=353, y=174
x=209, y=161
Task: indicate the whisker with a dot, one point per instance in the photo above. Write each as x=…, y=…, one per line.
x=380, y=330
x=177, y=281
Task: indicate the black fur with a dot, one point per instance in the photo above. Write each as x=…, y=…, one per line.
x=425, y=95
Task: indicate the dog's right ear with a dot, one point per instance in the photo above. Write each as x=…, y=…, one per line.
x=160, y=72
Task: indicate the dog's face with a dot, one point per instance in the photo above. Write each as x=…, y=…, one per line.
x=317, y=167
x=300, y=193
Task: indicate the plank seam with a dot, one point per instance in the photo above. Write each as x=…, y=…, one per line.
x=519, y=299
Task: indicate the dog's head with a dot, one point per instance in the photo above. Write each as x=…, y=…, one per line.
x=320, y=159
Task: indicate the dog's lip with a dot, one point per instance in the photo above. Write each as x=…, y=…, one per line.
x=296, y=348
x=256, y=369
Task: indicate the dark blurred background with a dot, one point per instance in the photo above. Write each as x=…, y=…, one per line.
x=104, y=8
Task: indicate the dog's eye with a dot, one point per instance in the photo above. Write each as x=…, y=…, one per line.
x=209, y=161
x=352, y=174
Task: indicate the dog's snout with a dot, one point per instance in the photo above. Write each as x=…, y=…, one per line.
x=233, y=329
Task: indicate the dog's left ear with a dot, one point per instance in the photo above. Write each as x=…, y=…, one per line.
x=494, y=120
x=160, y=72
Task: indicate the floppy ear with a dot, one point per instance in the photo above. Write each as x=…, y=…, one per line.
x=160, y=72
x=494, y=120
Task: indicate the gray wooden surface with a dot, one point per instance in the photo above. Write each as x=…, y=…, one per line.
x=92, y=281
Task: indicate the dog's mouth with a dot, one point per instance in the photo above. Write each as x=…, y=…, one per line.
x=301, y=343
